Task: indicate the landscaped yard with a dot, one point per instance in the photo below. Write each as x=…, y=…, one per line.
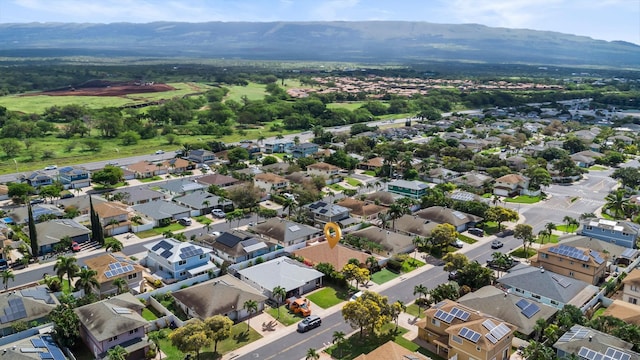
x=490, y=227
x=286, y=318
x=160, y=230
x=370, y=173
x=203, y=220
x=327, y=297
x=383, y=276
x=411, y=264
x=523, y=199
x=150, y=179
x=565, y=229
x=148, y=315
x=415, y=311
x=467, y=239
x=336, y=187
x=519, y=253
x=553, y=240
x=353, y=182
x=597, y=168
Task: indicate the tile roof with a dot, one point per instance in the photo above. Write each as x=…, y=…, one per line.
x=270, y=178
x=624, y=311
x=103, y=264
x=284, y=230
x=323, y=166
x=110, y=209
x=391, y=351
x=339, y=256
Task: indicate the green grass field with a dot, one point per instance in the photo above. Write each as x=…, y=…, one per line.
x=383, y=276
x=566, y=229
x=252, y=91
x=327, y=297
x=286, y=317
x=414, y=310
x=523, y=199
x=352, y=105
x=159, y=230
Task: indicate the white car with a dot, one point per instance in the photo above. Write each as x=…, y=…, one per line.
x=218, y=213
x=51, y=167
x=356, y=296
x=159, y=152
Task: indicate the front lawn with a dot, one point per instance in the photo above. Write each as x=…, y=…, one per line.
x=148, y=315
x=414, y=310
x=411, y=264
x=160, y=230
x=203, y=220
x=467, y=239
x=490, y=227
x=327, y=297
x=597, y=168
x=383, y=276
x=286, y=317
x=353, y=182
x=567, y=229
x=150, y=179
x=523, y=199
x=370, y=173
x=336, y=187
x=519, y=253
x=553, y=240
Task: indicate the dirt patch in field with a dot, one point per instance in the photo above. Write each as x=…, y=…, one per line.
x=107, y=88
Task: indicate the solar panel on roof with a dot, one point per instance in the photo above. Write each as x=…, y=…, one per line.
x=444, y=316
x=460, y=314
x=488, y=324
x=500, y=331
x=583, y=352
x=166, y=254
x=530, y=310
x=522, y=304
x=38, y=343
x=491, y=338
x=469, y=334
x=46, y=355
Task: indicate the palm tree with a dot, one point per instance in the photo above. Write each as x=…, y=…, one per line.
x=616, y=203
x=395, y=212
x=121, y=285
x=66, y=265
x=112, y=244
x=87, y=279
x=279, y=293
x=251, y=306
x=542, y=234
x=117, y=353
x=372, y=263
x=566, y=220
x=6, y=252
x=312, y=354
x=389, y=159
x=549, y=227
x=396, y=309
x=338, y=337
x=6, y=276
x=574, y=223
x=289, y=204
x=422, y=291
x=206, y=204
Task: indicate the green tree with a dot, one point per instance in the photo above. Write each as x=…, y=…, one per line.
x=370, y=311
x=443, y=234
x=155, y=337
x=33, y=234
x=395, y=310
x=312, y=354
x=10, y=146
x=338, y=338
x=6, y=276
x=66, y=325
x=395, y=212
x=129, y=138
x=500, y=215
x=191, y=337
x=616, y=204
x=87, y=280
x=251, y=306
x=120, y=284
x=444, y=291
x=237, y=154
x=66, y=265
x=18, y=192
x=524, y=232
x=113, y=244
x=628, y=176
x=220, y=328
x=117, y=353
x=110, y=175
x=97, y=232
x=475, y=276
x=537, y=351
x=279, y=293
x=454, y=261
x=538, y=177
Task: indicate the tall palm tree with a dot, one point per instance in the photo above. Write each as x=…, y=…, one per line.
x=395, y=212
x=542, y=234
x=6, y=276
x=573, y=224
x=338, y=338
x=422, y=291
x=117, y=353
x=290, y=205
x=251, y=306
x=389, y=159
x=87, y=279
x=616, y=203
x=66, y=265
x=113, y=244
x=566, y=220
x=121, y=285
x=312, y=354
x=279, y=293
x=549, y=227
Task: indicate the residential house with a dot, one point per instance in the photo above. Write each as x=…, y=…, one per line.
x=218, y=180
x=624, y=311
x=51, y=232
x=4, y=192
x=225, y=296
x=74, y=177
x=178, y=165
x=383, y=198
x=201, y=202
x=304, y=150
x=390, y=242
x=21, y=215
x=112, y=322
x=42, y=346
x=586, y=343
x=286, y=232
x=296, y=278
x=585, y=159
x=147, y=169
x=280, y=168
x=547, y=287
x=278, y=146
x=461, y=195
x=414, y=225
x=323, y=169
x=114, y=217
x=372, y=164
x=523, y=313
x=614, y=254
x=579, y=263
x=201, y=156
x=180, y=187
x=474, y=145
x=619, y=138
x=511, y=185
x=391, y=351
x=624, y=233
x=323, y=212
x=442, y=215
x=458, y=332
x=161, y=212
x=413, y=189
x=137, y=195
x=175, y=260
x=362, y=210
x=440, y=175
x=516, y=163
x=472, y=179
x=38, y=178
x=27, y=305
x=631, y=287
x=111, y=267
x=270, y=182
x=337, y=256
x=236, y=246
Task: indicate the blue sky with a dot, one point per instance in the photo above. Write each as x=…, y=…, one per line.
x=599, y=19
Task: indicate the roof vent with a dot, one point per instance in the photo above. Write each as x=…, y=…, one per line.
x=541, y=270
x=590, y=338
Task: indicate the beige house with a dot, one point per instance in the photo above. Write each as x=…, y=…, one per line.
x=511, y=185
x=270, y=182
x=631, y=289
x=109, y=268
x=114, y=217
x=462, y=333
x=578, y=263
x=391, y=351
x=323, y=169
x=362, y=210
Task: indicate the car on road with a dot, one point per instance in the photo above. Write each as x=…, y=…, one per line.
x=476, y=232
x=218, y=213
x=310, y=322
x=355, y=296
x=75, y=247
x=112, y=163
x=496, y=244
x=51, y=167
x=3, y=264
x=453, y=275
x=159, y=152
x=458, y=244
x=36, y=201
x=505, y=233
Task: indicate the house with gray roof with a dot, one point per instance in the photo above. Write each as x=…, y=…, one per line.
x=296, y=278
x=285, y=232
x=323, y=212
x=201, y=156
x=614, y=253
x=27, y=305
x=217, y=180
x=112, y=322
x=413, y=225
x=52, y=231
x=238, y=245
x=225, y=296
x=174, y=260
x=162, y=212
x=21, y=214
x=586, y=343
x=74, y=177
x=391, y=242
x=30, y=346
x=181, y=187
x=38, y=178
x=442, y=215
x=439, y=175
x=472, y=179
x=202, y=202
x=138, y=195
x=413, y=189
x=624, y=233
x=547, y=287
x=508, y=307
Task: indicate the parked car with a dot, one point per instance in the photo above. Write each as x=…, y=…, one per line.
x=51, y=167
x=505, y=233
x=496, y=244
x=3, y=264
x=184, y=221
x=159, y=152
x=36, y=201
x=218, y=213
x=458, y=244
x=66, y=194
x=75, y=247
x=476, y=232
x=215, y=233
x=310, y=322
x=355, y=296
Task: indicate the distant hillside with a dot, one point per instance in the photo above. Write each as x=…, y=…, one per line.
x=366, y=41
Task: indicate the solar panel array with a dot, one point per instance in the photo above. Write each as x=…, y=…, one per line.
x=117, y=268
x=444, y=316
x=121, y=310
x=530, y=310
x=190, y=251
x=460, y=314
x=611, y=354
x=469, y=334
x=318, y=204
x=569, y=251
x=581, y=333
x=522, y=304
x=562, y=281
x=14, y=311
x=596, y=257
x=52, y=352
x=617, y=354
x=38, y=293
x=496, y=332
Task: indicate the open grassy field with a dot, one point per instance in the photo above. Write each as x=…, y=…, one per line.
x=352, y=105
x=253, y=91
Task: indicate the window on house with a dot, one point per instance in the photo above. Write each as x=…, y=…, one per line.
x=113, y=339
x=183, y=273
x=571, y=274
x=133, y=331
x=435, y=322
x=182, y=262
x=544, y=256
x=633, y=301
x=586, y=266
x=203, y=256
x=553, y=302
x=625, y=234
x=589, y=227
x=634, y=287
x=571, y=262
x=535, y=296
x=456, y=339
x=133, y=276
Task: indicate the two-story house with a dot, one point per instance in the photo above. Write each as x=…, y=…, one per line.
x=114, y=217
x=278, y=146
x=511, y=185
x=74, y=177
x=323, y=169
x=201, y=156
x=583, y=342
x=270, y=182
x=28, y=305
x=111, y=267
x=285, y=232
x=624, y=233
x=38, y=178
x=579, y=263
x=413, y=189
x=461, y=333
x=372, y=164
x=304, y=150
x=175, y=260
x=631, y=289
x=112, y=322
x=237, y=246
x=323, y=212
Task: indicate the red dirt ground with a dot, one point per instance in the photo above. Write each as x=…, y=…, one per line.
x=108, y=89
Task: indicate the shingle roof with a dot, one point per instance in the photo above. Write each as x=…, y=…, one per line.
x=160, y=209
x=271, y=178
x=323, y=166
x=109, y=318
x=624, y=311
x=196, y=199
x=216, y=179
x=284, y=230
x=138, y=194
x=283, y=272
x=361, y=208
x=103, y=264
x=413, y=184
x=415, y=225
x=511, y=179
x=110, y=209
x=50, y=232
x=444, y=215
x=339, y=256
x=181, y=186
x=581, y=336
x=389, y=240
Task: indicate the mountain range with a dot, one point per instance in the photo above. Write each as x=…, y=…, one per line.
x=361, y=41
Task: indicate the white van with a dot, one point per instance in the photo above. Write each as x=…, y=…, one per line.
x=184, y=221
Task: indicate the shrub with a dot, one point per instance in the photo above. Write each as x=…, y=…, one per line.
x=394, y=265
